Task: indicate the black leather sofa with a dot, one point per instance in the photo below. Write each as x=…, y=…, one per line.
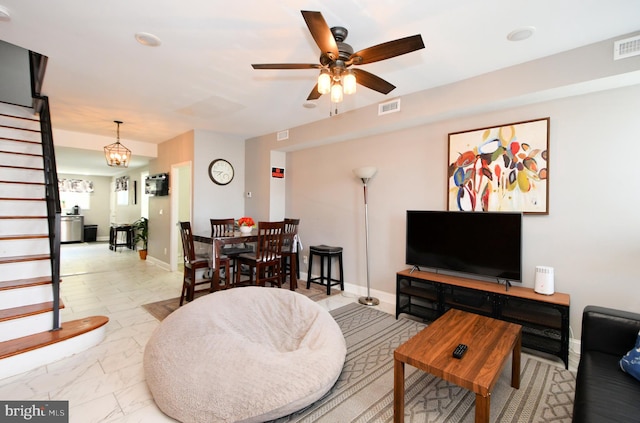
x=604, y=393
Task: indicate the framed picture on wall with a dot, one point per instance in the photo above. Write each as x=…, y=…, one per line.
x=500, y=168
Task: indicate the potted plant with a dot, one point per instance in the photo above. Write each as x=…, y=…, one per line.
x=246, y=224
x=141, y=235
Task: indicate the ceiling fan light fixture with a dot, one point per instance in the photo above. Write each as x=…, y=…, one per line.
x=336, y=93
x=324, y=82
x=116, y=154
x=349, y=83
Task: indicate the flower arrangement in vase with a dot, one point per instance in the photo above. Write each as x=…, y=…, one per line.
x=246, y=224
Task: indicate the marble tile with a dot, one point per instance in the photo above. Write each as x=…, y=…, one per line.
x=106, y=383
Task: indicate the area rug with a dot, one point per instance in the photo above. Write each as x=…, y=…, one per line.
x=161, y=309
x=364, y=390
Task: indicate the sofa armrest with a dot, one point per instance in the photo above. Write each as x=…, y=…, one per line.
x=609, y=331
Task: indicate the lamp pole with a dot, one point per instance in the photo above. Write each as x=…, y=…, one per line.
x=365, y=174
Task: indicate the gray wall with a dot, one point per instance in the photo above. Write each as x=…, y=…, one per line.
x=590, y=235
x=14, y=74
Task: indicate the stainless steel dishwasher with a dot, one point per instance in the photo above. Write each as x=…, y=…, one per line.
x=71, y=228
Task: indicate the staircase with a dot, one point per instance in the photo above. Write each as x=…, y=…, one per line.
x=30, y=331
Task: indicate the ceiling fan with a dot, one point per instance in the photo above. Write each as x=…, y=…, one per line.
x=337, y=57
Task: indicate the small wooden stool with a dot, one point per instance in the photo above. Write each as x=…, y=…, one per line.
x=328, y=252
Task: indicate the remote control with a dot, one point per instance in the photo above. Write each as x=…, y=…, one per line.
x=459, y=351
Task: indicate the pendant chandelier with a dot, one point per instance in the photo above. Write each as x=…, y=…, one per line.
x=117, y=155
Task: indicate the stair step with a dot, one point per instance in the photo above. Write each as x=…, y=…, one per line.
x=20, y=153
x=21, y=199
x=21, y=140
x=22, y=217
x=21, y=167
x=30, y=119
x=19, y=259
x=17, y=128
x=23, y=283
x=22, y=182
x=27, y=310
x=22, y=236
x=68, y=330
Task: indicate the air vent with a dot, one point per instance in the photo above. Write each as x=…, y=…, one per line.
x=626, y=48
x=389, y=107
x=283, y=135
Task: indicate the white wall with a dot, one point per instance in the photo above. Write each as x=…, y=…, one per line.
x=209, y=199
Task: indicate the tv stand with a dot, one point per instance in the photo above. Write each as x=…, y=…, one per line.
x=544, y=318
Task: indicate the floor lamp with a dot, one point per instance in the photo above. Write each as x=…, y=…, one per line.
x=365, y=174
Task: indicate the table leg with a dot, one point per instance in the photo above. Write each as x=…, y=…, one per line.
x=398, y=391
x=515, y=363
x=483, y=407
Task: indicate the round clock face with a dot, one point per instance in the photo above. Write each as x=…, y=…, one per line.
x=221, y=171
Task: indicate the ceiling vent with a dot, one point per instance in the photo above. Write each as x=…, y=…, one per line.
x=283, y=135
x=389, y=107
x=626, y=48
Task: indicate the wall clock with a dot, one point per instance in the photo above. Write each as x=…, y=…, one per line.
x=221, y=171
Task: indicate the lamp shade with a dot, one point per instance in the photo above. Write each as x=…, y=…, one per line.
x=349, y=83
x=324, y=82
x=366, y=172
x=336, y=93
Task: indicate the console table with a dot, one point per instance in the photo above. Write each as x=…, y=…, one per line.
x=544, y=318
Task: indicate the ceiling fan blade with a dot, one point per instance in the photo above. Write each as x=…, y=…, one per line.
x=369, y=80
x=321, y=33
x=314, y=94
x=286, y=66
x=388, y=50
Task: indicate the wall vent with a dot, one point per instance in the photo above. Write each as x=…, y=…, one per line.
x=283, y=135
x=389, y=107
x=626, y=48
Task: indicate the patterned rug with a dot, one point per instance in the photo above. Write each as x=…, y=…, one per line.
x=161, y=309
x=364, y=390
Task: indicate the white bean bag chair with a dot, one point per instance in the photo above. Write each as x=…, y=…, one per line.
x=243, y=355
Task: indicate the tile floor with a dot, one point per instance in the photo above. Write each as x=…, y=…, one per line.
x=106, y=383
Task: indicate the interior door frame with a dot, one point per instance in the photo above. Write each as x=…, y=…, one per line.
x=178, y=196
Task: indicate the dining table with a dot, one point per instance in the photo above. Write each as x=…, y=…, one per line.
x=216, y=245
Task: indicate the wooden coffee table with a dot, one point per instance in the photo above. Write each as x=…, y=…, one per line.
x=490, y=342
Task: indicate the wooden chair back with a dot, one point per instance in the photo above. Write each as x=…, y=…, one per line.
x=221, y=227
x=269, y=245
x=290, y=233
x=188, y=248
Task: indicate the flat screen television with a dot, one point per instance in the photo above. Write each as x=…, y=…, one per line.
x=487, y=245
x=157, y=185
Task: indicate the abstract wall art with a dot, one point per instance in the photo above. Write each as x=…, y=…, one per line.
x=500, y=168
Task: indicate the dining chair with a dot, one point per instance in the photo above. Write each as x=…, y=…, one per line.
x=290, y=263
x=267, y=259
x=191, y=265
x=223, y=228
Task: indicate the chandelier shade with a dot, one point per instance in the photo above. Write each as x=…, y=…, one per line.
x=324, y=82
x=116, y=154
x=349, y=83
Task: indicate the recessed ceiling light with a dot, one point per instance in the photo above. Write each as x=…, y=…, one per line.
x=521, y=33
x=309, y=105
x=147, y=39
x=5, y=16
